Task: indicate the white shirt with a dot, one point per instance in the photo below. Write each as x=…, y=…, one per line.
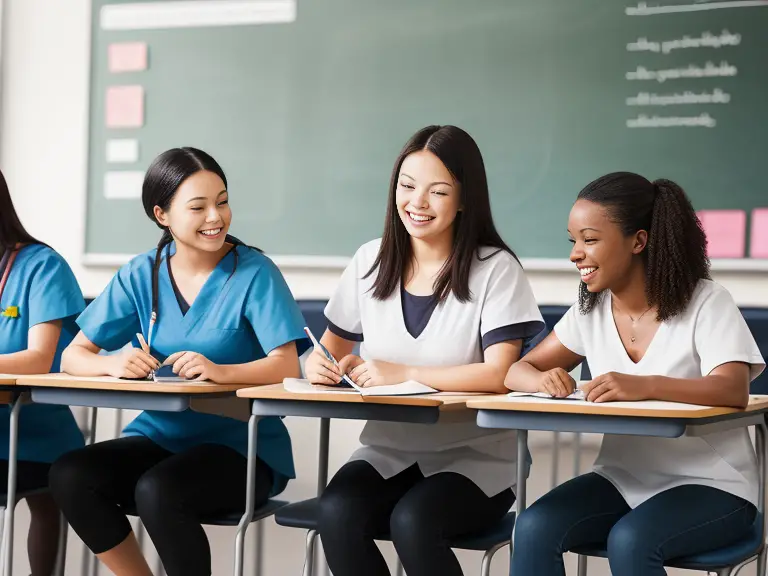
x=501, y=296
x=708, y=333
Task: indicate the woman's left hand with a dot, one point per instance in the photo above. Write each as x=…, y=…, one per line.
x=615, y=387
x=194, y=366
x=378, y=373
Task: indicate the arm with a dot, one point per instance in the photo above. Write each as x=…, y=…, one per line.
x=726, y=385
x=486, y=376
x=42, y=340
x=545, y=369
x=82, y=358
x=280, y=363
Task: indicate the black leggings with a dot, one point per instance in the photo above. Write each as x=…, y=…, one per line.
x=420, y=514
x=96, y=485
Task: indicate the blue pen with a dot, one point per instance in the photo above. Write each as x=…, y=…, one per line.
x=344, y=378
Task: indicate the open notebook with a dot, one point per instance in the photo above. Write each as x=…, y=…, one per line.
x=409, y=388
x=578, y=394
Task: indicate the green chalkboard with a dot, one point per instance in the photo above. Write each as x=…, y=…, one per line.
x=307, y=117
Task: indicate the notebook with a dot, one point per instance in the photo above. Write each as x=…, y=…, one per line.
x=577, y=394
x=408, y=388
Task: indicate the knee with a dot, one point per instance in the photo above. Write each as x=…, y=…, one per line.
x=534, y=528
x=154, y=495
x=628, y=547
x=338, y=512
x=68, y=476
x=409, y=525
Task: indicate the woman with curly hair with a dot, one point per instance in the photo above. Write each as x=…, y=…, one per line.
x=652, y=325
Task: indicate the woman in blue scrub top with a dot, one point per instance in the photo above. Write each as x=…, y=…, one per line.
x=215, y=309
x=39, y=300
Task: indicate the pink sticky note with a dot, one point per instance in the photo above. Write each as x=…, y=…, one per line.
x=759, y=241
x=125, y=107
x=127, y=57
x=726, y=232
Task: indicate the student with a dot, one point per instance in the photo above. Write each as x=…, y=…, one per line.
x=217, y=310
x=652, y=325
x=442, y=300
x=39, y=300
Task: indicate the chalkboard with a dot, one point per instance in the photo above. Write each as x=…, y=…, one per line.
x=306, y=117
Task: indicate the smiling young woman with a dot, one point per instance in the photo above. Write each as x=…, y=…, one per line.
x=652, y=325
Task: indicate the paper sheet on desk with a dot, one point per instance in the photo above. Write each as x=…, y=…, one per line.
x=577, y=395
x=409, y=388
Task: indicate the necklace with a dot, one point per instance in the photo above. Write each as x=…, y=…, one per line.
x=632, y=336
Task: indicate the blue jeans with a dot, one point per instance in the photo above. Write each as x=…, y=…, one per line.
x=589, y=510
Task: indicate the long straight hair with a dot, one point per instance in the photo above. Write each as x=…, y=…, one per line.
x=473, y=227
x=12, y=231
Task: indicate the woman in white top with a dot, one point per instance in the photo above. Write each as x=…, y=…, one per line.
x=442, y=300
x=652, y=325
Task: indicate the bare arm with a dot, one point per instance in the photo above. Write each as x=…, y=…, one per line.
x=486, y=376
x=549, y=357
x=280, y=363
x=42, y=340
x=726, y=385
x=82, y=358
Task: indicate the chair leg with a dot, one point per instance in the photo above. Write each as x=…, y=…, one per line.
x=2, y=535
x=485, y=566
x=399, y=568
x=61, y=553
x=309, y=553
x=582, y=565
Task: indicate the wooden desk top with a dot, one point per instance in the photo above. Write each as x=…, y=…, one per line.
x=442, y=400
x=117, y=384
x=8, y=380
x=648, y=409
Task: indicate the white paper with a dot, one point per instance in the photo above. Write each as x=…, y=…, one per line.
x=577, y=395
x=122, y=150
x=123, y=185
x=197, y=13
x=408, y=388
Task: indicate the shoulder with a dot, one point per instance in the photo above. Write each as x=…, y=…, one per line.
x=496, y=261
x=706, y=295
x=366, y=254
x=42, y=258
x=141, y=264
x=251, y=262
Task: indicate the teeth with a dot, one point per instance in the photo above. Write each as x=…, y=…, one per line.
x=210, y=232
x=586, y=271
x=419, y=218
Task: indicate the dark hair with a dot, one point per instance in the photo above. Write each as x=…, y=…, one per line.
x=676, y=253
x=164, y=176
x=473, y=227
x=12, y=231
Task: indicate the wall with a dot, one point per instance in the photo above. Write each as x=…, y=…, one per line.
x=43, y=155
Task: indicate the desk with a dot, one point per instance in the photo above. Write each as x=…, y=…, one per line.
x=274, y=400
x=106, y=392
x=659, y=419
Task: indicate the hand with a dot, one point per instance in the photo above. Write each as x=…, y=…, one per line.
x=320, y=370
x=557, y=383
x=378, y=373
x=612, y=386
x=194, y=366
x=132, y=363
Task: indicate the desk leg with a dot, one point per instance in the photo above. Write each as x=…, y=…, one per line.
x=322, y=481
x=760, y=446
x=520, y=499
x=576, y=454
x=13, y=446
x=245, y=521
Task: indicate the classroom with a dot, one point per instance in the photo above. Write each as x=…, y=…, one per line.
x=305, y=106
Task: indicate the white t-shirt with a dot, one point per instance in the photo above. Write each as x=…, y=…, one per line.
x=708, y=333
x=501, y=296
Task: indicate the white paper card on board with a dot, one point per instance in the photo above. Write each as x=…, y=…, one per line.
x=123, y=185
x=195, y=14
x=122, y=151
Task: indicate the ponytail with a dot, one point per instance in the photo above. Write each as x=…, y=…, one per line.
x=676, y=252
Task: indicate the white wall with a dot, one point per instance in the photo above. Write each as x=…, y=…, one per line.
x=43, y=143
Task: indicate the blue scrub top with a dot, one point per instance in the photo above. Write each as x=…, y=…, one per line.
x=43, y=289
x=236, y=318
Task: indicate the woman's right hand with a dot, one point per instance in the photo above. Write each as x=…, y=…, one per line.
x=320, y=370
x=132, y=363
x=557, y=383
